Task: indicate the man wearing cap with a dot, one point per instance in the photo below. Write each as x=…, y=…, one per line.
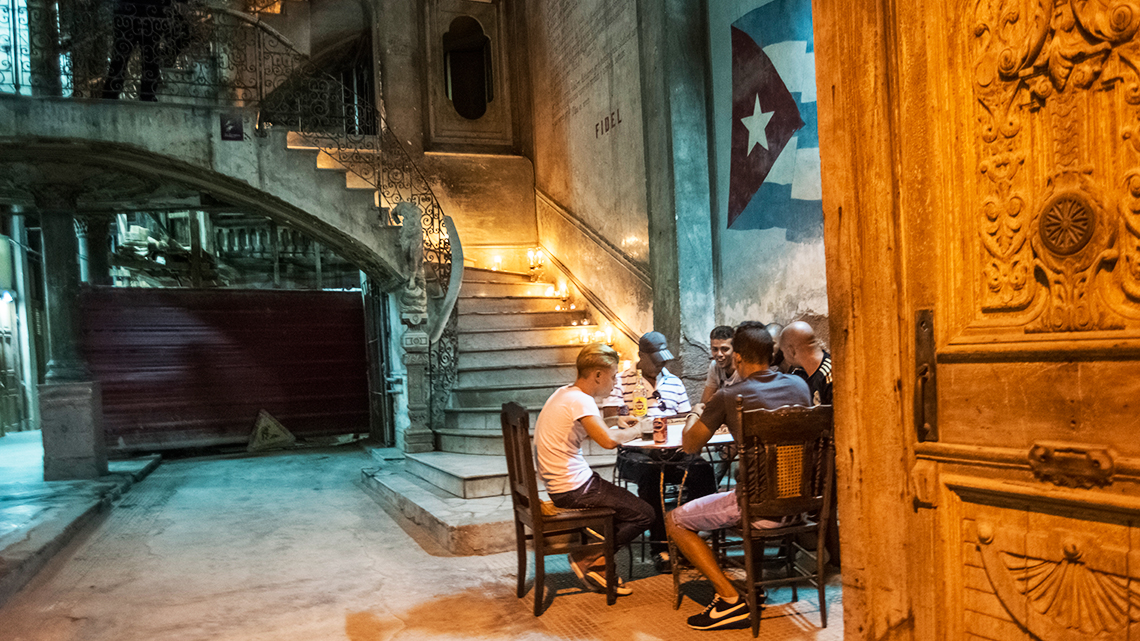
x=667, y=397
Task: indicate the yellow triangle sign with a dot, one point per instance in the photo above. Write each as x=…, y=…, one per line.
x=269, y=433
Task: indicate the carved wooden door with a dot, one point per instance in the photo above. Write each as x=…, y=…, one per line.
x=1008, y=178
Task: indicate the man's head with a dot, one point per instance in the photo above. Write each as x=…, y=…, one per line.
x=753, y=344
x=798, y=342
x=720, y=343
x=775, y=329
x=597, y=369
x=652, y=354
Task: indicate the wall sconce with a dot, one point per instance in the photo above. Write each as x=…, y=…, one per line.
x=536, y=259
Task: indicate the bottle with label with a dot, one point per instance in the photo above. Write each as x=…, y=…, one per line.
x=639, y=406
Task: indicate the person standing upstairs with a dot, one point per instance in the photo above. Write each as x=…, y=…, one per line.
x=568, y=418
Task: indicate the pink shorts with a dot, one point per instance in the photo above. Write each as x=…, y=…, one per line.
x=717, y=511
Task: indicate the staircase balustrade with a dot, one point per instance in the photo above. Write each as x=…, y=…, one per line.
x=179, y=52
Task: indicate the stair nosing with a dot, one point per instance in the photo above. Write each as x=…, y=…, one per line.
x=501, y=388
x=461, y=297
x=482, y=350
x=523, y=311
x=503, y=330
x=461, y=368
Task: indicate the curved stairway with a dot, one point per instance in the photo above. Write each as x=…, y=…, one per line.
x=514, y=345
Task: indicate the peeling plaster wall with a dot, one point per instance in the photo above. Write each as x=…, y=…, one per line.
x=762, y=274
x=589, y=149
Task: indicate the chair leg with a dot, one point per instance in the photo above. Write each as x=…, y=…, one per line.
x=675, y=557
x=539, y=572
x=520, y=538
x=819, y=574
x=790, y=564
x=750, y=578
x=611, y=569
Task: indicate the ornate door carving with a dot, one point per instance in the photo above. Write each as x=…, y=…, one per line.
x=981, y=159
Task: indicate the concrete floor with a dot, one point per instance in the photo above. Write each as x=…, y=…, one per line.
x=288, y=546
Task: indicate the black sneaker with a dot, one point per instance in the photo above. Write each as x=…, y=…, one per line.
x=722, y=616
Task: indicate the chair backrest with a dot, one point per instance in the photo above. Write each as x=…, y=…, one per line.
x=787, y=459
x=520, y=459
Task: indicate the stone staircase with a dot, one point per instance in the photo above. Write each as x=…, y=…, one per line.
x=514, y=345
x=518, y=341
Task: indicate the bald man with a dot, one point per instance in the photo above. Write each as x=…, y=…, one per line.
x=808, y=359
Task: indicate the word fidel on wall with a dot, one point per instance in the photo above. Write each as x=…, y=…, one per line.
x=604, y=125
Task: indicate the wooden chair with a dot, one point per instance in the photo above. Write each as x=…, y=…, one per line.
x=553, y=530
x=787, y=462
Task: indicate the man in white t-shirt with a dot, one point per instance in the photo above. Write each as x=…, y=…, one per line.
x=568, y=418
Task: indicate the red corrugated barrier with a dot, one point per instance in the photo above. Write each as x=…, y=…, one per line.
x=191, y=368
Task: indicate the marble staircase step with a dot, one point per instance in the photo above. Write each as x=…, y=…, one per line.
x=477, y=273
x=476, y=288
x=476, y=359
x=490, y=339
x=552, y=374
x=526, y=394
x=469, y=321
x=478, y=431
x=500, y=304
x=472, y=476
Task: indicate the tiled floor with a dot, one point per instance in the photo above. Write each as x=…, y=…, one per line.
x=288, y=546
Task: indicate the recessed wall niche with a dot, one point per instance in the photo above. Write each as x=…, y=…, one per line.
x=469, y=91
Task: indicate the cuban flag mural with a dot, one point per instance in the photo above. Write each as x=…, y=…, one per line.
x=774, y=176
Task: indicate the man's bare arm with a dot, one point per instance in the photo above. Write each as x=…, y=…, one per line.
x=606, y=437
x=695, y=436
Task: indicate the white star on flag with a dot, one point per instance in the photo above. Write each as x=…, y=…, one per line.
x=757, y=124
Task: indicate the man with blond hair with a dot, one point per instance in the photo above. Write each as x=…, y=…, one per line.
x=568, y=418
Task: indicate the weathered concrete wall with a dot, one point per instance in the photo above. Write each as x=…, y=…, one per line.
x=489, y=196
x=765, y=272
x=589, y=148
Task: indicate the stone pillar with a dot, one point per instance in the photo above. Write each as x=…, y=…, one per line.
x=94, y=250
x=418, y=436
x=674, y=46
x=71, y=410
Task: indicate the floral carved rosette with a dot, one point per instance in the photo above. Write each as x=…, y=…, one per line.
x=1057, y=89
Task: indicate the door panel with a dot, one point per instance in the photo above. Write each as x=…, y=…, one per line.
x=1006, y=199
x=1037, y=315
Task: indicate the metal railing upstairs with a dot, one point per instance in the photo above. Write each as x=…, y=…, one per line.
x=184, y=52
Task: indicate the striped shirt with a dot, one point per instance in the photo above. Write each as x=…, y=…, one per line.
x=667, y=398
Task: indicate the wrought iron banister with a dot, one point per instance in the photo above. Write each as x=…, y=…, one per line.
x=180, y=52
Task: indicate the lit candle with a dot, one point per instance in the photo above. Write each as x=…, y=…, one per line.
x=498, y=262
x=539, y=258
x=609, y=336
x=571, y=305
x=550, y=290
x=530, y=257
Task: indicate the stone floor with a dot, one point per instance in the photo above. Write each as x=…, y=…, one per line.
x=39, y=518
x=289, y=546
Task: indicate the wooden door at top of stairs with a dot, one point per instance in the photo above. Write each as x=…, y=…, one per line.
x=981, y=160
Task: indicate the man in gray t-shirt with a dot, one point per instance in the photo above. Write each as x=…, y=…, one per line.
x=722, y=369
x=761, y=387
